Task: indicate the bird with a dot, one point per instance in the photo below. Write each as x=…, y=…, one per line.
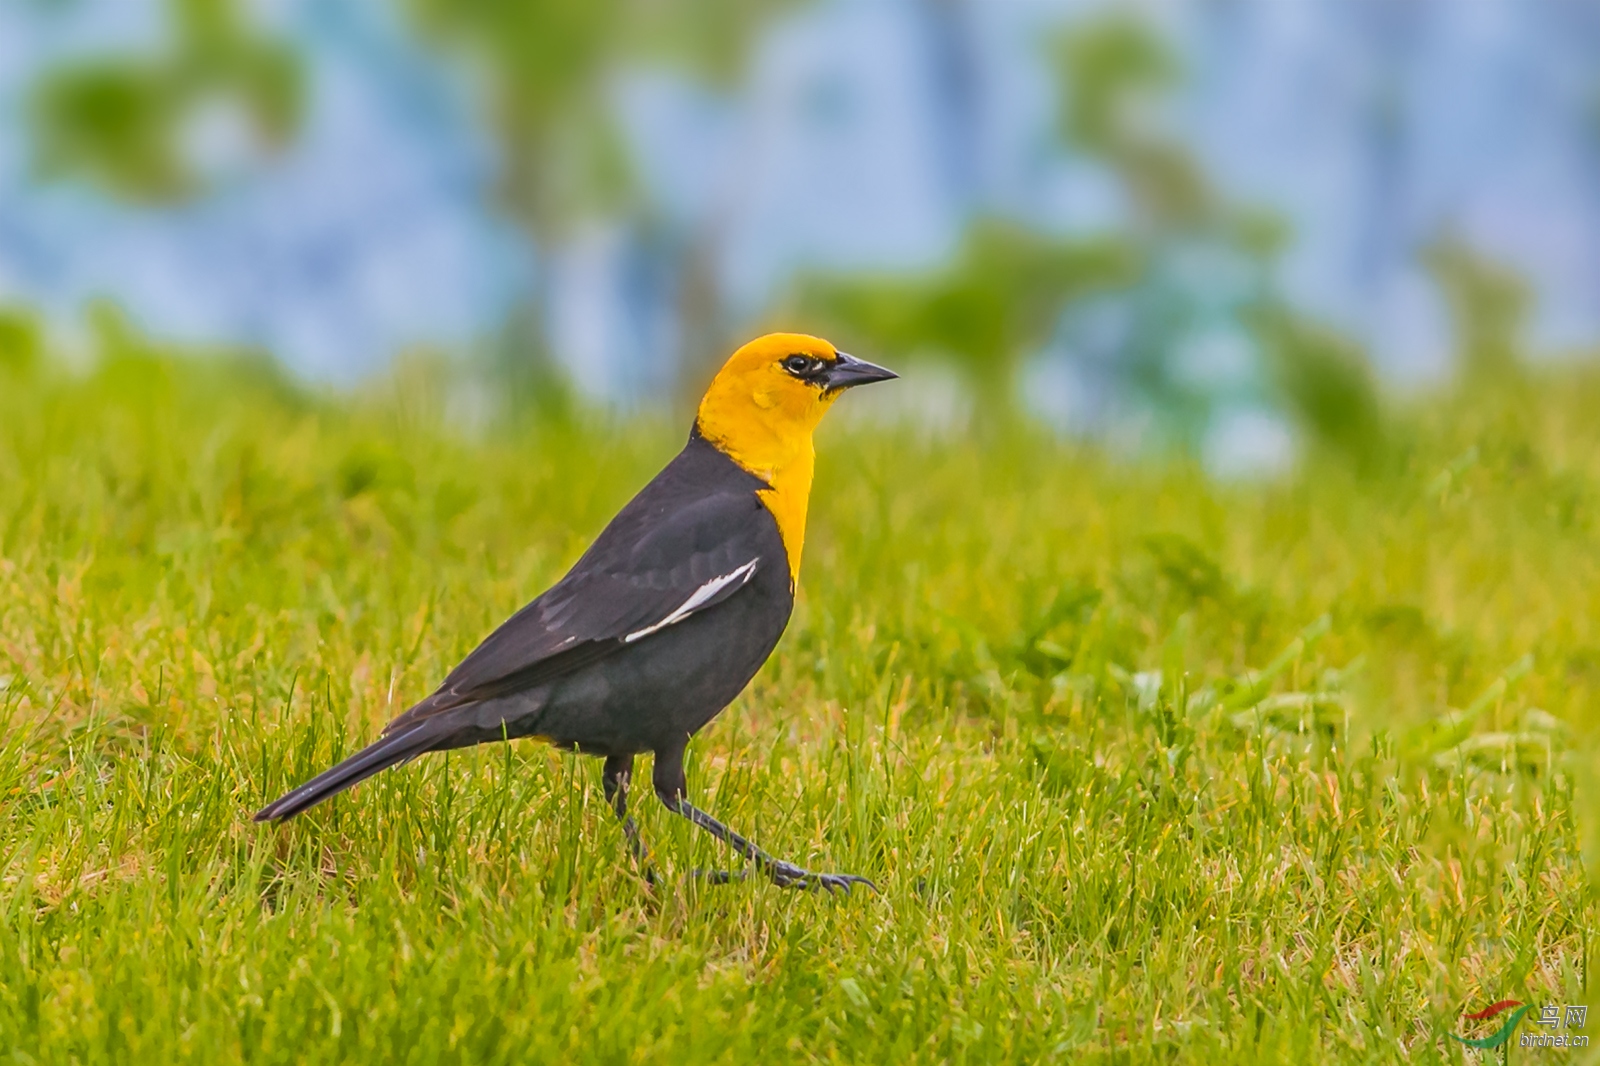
x=667, y=616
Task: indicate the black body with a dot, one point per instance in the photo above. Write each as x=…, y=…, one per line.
x=584, y=665
x=698, y=520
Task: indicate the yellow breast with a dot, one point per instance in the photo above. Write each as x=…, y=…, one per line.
x=786, y=467
x=787, y=499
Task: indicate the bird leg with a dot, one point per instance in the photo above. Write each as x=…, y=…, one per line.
x=670, y=789
x=615, y=777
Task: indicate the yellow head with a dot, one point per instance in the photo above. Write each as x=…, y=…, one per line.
x=762, y=408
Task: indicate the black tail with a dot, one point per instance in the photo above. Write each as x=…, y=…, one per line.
x=379, y=755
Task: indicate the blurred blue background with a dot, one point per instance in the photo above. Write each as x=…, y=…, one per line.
x=1219, y=225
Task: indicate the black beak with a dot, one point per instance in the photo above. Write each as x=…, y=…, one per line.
x=847, y=371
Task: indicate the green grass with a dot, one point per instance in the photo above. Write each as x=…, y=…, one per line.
x=1147, y=768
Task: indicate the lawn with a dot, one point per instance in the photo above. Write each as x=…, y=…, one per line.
x=1147, y=768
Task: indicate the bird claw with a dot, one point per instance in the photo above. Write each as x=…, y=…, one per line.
x=788, y=875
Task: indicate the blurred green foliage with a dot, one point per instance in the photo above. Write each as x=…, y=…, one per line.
x=1325, y=383
x=1488, y=307
x=1000, y=299
x=1010, y=293
x=1114, y=74
x=547, y=65
x=1106, y=67
x=120, y=120
x=21, y=342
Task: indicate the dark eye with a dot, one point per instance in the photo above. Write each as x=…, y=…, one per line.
x=799, y=365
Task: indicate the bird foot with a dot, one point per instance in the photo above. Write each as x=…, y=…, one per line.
x=788, y=875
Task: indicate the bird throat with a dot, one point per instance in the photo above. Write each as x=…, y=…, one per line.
x=787, y=467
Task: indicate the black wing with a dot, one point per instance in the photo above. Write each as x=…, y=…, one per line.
x=659, y=561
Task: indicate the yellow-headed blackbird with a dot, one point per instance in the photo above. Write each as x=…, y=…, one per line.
x=666, y=617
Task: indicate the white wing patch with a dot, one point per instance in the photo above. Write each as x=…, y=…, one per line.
x=699, y=598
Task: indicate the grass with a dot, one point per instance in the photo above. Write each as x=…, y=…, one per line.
x=1147, y=768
